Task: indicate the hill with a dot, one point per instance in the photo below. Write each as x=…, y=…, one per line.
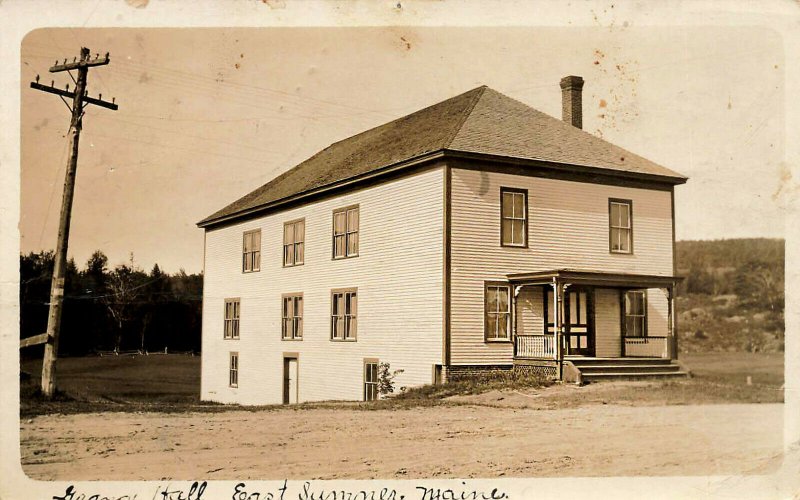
x=732, y=298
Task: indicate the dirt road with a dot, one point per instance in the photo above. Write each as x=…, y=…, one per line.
x=453, y=441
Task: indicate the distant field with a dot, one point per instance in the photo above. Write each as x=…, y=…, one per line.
x=172, y=383
x=156, y=378
x=735, y=367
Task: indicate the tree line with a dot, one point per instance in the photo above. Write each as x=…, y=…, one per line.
x=750, y=268
x=119, y=309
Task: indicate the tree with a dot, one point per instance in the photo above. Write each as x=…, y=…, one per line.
x=122, y=291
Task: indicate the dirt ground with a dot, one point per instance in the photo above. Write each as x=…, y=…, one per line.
x=468, y=439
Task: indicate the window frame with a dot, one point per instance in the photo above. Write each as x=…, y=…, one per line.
x=525, y=219
x=373, y=384
x=626, y=314
x=509, y=321
x=233, y=371
x=234, y=320
x=297, y=320
x=256, y=265
x=611, y=226
x=294, y=244
x=347, y=232
x=347, y=326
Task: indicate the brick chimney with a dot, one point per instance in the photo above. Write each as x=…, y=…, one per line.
x=571, y=87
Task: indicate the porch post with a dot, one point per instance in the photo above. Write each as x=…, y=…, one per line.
x=557, y=317
x=673, y=336
x=514, y=292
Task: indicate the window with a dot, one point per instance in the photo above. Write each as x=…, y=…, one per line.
x=233, y=372
x=251, y=251
x=514, y=217
x=498, y=311
x=635, y=313
x=620, y=226
x=370, y=379
x=292, y=317
x=344, y=309
x=294, y=235
x=231, y=318
x=345, y=232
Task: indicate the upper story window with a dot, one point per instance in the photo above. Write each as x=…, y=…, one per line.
x=345, y=232
x=251, y=251
x=620, y=226
x=635, y=305
x=344, y=313
x=294, y=236
x=231, y=318
x=292, y=317
x=514, y=217
x=497, y=309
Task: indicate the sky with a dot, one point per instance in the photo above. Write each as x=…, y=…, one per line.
x=207, y=115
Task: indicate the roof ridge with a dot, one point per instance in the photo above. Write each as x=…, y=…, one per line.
x=468, y=111
x=482, y=88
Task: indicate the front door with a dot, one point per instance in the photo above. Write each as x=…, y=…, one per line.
x=289, y=380
x=578, y=321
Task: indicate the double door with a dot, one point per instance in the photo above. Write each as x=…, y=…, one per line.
x=578, y=320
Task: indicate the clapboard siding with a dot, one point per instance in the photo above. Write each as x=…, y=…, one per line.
x=530, y=310
x=607, y=322
x=568, y=228
x=657, y=313
x=398, y=274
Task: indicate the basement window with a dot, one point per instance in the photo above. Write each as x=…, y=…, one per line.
x=233, y=372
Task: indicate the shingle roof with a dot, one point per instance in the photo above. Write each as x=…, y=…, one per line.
x=481, y=121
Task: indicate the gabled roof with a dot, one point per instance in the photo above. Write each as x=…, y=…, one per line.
x=481, y=121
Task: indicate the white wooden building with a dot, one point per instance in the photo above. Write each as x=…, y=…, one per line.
x=442, y=243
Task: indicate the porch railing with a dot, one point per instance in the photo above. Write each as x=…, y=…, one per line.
x=534, y=346
x=646, y=347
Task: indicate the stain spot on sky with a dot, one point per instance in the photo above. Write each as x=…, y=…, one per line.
x=41, y=125
x=603, y=103
x=405, y=42
x=138, y=4
x=144, y=78
x=275, y=4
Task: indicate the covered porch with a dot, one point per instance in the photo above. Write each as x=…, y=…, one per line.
x=569, y=315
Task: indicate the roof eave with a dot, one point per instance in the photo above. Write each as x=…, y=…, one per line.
x=411, y=162
x=575, y=167
x=435, y=155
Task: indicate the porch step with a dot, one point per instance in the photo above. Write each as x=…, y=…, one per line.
x=618, y=361
x=593, y=370
x=597, y=377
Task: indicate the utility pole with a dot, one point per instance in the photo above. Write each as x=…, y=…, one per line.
x=79, y=97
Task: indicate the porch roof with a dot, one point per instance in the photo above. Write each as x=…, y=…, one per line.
x=597, y=278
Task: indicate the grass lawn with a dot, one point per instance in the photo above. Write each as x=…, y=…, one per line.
x=171, y=383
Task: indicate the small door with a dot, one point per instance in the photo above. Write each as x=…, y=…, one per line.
x=578, y=322
x=289, y=381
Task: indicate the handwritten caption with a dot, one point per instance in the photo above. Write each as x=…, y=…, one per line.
x=306, y=490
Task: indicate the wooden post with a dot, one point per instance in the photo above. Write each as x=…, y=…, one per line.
x=556, y=322
x=59, y=268
x=79, y=97
x=673, y=334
